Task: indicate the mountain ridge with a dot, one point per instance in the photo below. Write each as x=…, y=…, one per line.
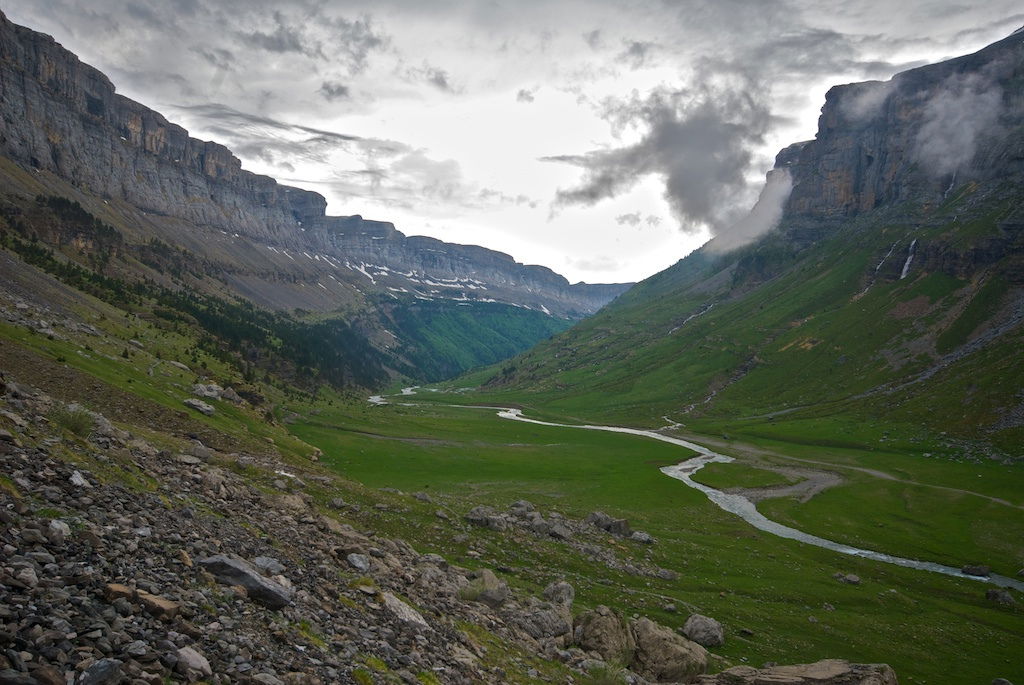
x=64, y=116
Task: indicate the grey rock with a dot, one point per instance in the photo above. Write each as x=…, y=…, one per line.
x=560, y=531
x=560, y=592
x=211, y=391
x=267, y=679
x=402, y=611
x=232, y=571
x=488, y=589
x=360, y=562
x=704, y=630
x=191, y=662
x=826, y=672
x=199, y=406
x=269, y=565
x=485, y=517
x=101, y=672
x=641, y=536
x=78, y=480
x=664, y=656
x=544, y=622
x=976, y=570
x=604, y=631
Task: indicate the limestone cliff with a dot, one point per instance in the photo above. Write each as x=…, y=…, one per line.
x=63, y=117
x=916, y=137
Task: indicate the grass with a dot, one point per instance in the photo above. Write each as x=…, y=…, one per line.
x=738, y=475
x=743, y=577
x=72, y=418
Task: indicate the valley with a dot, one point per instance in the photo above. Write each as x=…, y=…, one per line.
x=808, y=442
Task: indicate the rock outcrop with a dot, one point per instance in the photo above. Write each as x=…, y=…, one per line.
x=62, y=116
x=828, y=672
x=915, y=137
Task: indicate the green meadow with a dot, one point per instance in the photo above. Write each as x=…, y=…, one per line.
x=777, y=598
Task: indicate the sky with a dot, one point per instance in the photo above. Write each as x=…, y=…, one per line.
x=603, y=139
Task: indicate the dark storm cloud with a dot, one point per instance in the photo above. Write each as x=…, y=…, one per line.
x=334, y=91
x=631, y=219
x=699, y=141
x=319, y=36
x=524, y=95
x=636, y=53
x=283, y=37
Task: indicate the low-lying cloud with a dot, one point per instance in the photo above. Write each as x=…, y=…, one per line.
x=955, y=118
x=763, y=217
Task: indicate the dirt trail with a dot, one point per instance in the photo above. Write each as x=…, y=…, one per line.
x=809, y=482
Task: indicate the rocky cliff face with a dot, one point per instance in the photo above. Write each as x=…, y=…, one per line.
x=916, y=137
x=64, y=117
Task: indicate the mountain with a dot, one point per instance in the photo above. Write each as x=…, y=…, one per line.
x=888, y=301
x=67, y=134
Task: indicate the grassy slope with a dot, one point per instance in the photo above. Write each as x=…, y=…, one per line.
x=807, y=342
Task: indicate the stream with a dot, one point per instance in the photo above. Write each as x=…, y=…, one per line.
x=745, y=509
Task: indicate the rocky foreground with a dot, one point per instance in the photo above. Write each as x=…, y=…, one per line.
x=124, y=560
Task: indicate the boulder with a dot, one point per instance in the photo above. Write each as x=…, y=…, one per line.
x=976, y=570
x=191, y=663
x=488, y=589
x=599, y=519
x=199, y=406
x=662, y=655
x=269, y=565
x=1000, y=596
x=359, y=562
x=615, y=526
x=545, y=621
x=560, y=592
x=827, y=672
x=211, y=391
x=102, y=672
x=560, y=531
x=402, y=611
x=704, y=631
x=641, y=536
x=233, y=571
x=485, y=517
x=605, y=632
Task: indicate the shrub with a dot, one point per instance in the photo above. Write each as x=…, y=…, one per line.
x=73, y=418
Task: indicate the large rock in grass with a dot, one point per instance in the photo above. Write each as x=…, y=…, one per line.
x=827, y=672
x=485, y=517
x=664, y=656
x=605, y=632
x=199, y=406
x=615, y=526
x=704, y=630
x=233, y=571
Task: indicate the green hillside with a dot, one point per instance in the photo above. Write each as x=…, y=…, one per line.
x=813, y=333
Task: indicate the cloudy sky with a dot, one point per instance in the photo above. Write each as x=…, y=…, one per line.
x=604, y=139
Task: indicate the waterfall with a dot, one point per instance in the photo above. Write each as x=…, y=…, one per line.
x=910, y=258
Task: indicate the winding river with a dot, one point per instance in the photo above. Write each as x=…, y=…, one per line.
x=745, y=509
